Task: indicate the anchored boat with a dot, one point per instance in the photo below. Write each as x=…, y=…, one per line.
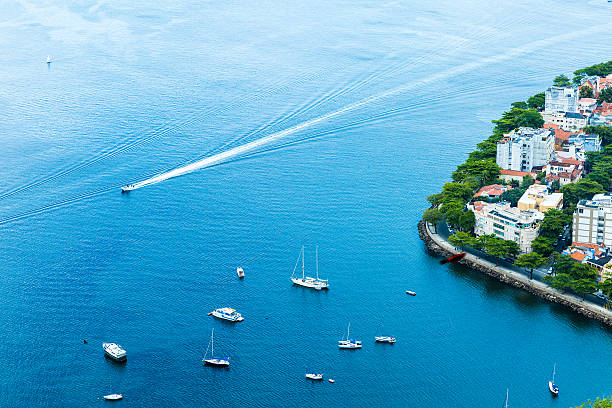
x=115, y=351
x=227, y=313
x=240, y=272
x=316, y=377
x=307, y=281
x=385, y=339
x=349, y=343
x=212, y=360
x=113, y=397
x=552, y=387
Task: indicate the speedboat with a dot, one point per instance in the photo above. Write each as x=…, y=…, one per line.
x=48, y=59
x=212, y=360
x=307, y=281
x=240, y=272
x=113, y=397
x=128, y=188
x=349, y=343
x=312, y=376
x=115, y=351
x=385, y=339
x=227, y=313
x=411, y=293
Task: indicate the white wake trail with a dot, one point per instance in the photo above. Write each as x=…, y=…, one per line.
x=220, y=157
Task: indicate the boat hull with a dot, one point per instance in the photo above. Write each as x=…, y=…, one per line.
x=352, y=344
x=315, y=377
x=385, y=339
x=113, y=397
x=310, y=283
x=554, y=390
x=114, y=352
x=411, y=293
x=222, y=316
x=217, y=362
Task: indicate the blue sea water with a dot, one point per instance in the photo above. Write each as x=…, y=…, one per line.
x=137, y=88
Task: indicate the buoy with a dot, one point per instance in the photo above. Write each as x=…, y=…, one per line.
x=331, y=381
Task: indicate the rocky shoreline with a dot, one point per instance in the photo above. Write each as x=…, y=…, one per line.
x=591, y=311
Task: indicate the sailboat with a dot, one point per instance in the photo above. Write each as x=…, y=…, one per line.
x=307, y=281
x=349, y=343
x=552, y=387
x=506, y=402
x=215, y=361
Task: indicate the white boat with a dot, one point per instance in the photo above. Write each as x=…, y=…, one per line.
x=48, y=59
x=316, y=377
x=307, y=281
x=227, y=313
x=212, y=360
x=128, y=188
x=240, y=272
x=115, y=351
x=552, y=387
x=385, y=339
x=411, y=293
x=113, y=397
x=349, y=343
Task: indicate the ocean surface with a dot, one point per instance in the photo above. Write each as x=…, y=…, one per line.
x=136, y=88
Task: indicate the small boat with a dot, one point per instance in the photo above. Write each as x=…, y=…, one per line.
x=307, y=281
x=454, y=258
x=331, y=381
x=552, y=387
x=113, y=397
x=212, y=360
x=385, y=339
x=227, y=313
x=411, y=293
x=115, y=351
x=128, y=188
x=316, y=377
x=48, y=59
x=240, y=272
x=349, y=343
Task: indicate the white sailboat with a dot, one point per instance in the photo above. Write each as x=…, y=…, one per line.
x=240, y=272
x=349, y=343
x=552, y=387
x=307, y=281
x=215, y=361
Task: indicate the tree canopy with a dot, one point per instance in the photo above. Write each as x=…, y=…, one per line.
x=605, y=95
x=602, y=70
x=586, y=92
x=598, y=403
x=561, y=80
x=530, y=261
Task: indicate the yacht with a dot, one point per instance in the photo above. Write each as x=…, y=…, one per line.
x=385, y=339
x=411, y=293
x=349, y=343
x=312, y=376
x=212, y=360
x=227, y=313
x=115, y=351
x=307, y=281
x=128, y=188
x=113, y=397
x=552, y=387
x=240, y=272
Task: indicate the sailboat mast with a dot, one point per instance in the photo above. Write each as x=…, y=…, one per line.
x=506, y=404
x=317, y=258
x=348, y=331
x=302, y=262
x=212, y=342
x=554, y=369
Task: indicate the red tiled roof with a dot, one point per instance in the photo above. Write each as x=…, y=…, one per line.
x=572, y=161
x=587, y=100
x=550, y=126
x=579, y=256
x=516, y=173
x=492, y=190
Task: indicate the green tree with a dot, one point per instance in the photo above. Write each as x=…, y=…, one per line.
x=598, y=403
x=606, y=287
x=605, y=95
x=433, y=216
x=529, y=118
x=553, y=223
x=512, y=196
x=561, y=80
x=562, y=264
x=555, y=185
x=461, y=239
x=583, y=189
x=605, y=132
x=530, y=261
x=583, y=271
x=527, y=181
x=542, y=245
x=483, y=171
x=561, y=281
x=586, y=92
x=601, y=70
x=536, y=101
x=583, y=287
x=466, y=221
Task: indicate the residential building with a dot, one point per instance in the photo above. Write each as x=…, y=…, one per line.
x=586, y=143
x=508, y=223
x=566, y=170
x=537, y=198
x=566, y=120
x=525, y=148
x=593, y=221
x=509, y=175
x=587, y=105
x=492, y=191
x=561, y=99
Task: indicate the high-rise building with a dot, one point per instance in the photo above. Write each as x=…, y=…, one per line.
x=525, y=148
x=593, y=221
x=561, y=99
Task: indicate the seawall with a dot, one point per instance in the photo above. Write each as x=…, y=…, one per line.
x=439, y=246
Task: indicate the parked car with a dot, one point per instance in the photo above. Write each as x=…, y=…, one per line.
x=550, y=271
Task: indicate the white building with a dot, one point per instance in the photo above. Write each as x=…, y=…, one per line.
x=561, y=99
x=536, y=197
x=566, y=120
x=593, y=221
x=507, y=222
x=525, y=148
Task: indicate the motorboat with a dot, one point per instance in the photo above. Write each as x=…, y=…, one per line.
x=128, y=188
x=212, y=360
x=552, y=387
x=115, y=351
x=240, y=272
x=316, y=377
x=411, y=293
x=331, y=381
x=227, y=313
x=113, y=397
x=307, y=281
x=48, y=59
x=349, y=343
x=385, y=339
